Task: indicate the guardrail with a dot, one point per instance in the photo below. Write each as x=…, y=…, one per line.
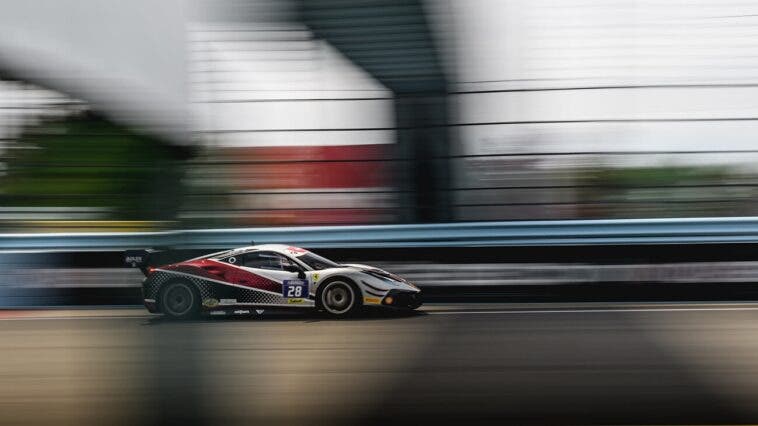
x=469, y=234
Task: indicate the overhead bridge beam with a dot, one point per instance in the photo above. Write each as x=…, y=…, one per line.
x=392, y=41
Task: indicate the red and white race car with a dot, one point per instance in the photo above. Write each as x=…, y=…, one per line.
x=264, y=276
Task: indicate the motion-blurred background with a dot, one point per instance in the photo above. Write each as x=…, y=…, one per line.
x=195, y=114
x=455, y=142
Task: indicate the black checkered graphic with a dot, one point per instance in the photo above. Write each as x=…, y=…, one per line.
x=211, y=289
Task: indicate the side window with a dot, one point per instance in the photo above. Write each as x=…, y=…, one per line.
x=267, y=260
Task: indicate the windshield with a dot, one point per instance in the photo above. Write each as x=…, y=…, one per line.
x=317, y=262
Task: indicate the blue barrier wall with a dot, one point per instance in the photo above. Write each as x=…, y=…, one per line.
x=470, y=234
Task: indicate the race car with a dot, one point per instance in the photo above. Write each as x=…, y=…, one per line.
x=267, y=276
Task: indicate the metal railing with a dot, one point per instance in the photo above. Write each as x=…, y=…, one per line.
x=468, y=234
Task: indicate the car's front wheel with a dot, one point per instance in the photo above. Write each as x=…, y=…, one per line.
x=179, y=300
x=339, y=298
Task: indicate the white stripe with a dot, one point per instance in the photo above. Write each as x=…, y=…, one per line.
x=575, y=311
x=543, y=311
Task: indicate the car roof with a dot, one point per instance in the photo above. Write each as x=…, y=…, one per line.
x=279, y=248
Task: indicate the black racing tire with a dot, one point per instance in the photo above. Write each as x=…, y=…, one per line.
x=179, y=299
x=339, y=297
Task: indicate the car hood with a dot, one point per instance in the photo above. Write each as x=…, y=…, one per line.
x=374, y=269
x=381, y=272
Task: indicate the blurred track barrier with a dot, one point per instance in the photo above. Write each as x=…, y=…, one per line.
x=439, y=275
x=694, y=259
x=469, y=234
x=474, y=282
x=428, y=274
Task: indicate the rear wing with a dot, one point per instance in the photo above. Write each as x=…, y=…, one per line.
x=144, y=259
x=139, y=259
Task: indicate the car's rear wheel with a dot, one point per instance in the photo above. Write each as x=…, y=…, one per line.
x=179, y=300
x=339, y=298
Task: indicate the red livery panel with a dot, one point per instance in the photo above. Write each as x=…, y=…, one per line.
x=220, y=271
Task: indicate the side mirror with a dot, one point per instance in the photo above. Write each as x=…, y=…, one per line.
x=295, y=268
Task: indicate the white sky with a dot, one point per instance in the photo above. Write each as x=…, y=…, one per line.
x=125, y=58
x=578, y=43
x=488, y=45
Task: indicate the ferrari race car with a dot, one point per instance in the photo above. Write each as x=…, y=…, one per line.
x=266, y=276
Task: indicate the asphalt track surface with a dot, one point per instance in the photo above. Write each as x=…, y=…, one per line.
x=686, y=363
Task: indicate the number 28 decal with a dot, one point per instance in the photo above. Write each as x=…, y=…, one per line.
x=295, y=288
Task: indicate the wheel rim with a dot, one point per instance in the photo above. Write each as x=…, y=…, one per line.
x=338, y=297
x=179, y=299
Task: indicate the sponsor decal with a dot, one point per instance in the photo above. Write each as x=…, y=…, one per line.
x=371, y=300
x=210, y=302
x=294, y=301
x=315, y=277
x=295, y=251
x=133, y=260
x=294, y=288
x=227, y=302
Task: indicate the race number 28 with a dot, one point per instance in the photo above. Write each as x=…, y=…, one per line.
x=294, y=288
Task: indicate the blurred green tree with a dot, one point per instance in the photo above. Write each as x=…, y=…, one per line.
x=663, y=191
x=88, y=161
